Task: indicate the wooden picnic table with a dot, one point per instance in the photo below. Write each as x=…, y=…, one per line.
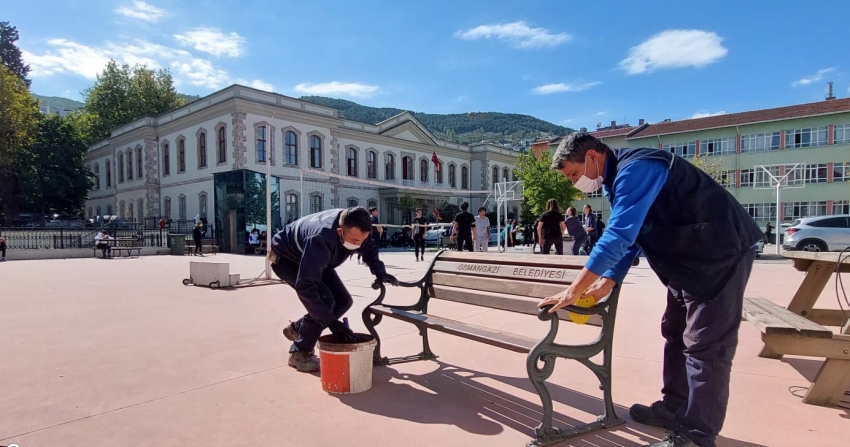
x=802, y=329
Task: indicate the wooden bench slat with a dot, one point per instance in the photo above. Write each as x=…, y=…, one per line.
x=525, y=273
x=771, y=318
x=499, y=285
x=501, y=301
x=493, y=337
x=553, y=261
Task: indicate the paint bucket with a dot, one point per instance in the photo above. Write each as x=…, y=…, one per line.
x=346, y=368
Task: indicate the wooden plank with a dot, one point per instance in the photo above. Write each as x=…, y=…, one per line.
x=817, y=276
x=770, y=313
x=493, y=337
x=829, y=317
x=824, y=256
x=513, y=271
x=830, y=348
x=507, y=286
x=553, y=261
x=511, y=303
x=831, y=382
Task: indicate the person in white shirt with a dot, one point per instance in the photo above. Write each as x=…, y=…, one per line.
x=482, y=230
x=101, y=241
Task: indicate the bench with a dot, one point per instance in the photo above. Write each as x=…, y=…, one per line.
x=445, y=241
x=513, y=283
x=129, y=251
x=208, y=245
x=787, y=333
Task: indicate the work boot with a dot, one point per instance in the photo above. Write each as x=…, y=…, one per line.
x=656, y=415
x=290, y=332
x=674, y=440
x=304, y=361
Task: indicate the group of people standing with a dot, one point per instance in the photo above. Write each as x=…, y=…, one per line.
x=551, y=225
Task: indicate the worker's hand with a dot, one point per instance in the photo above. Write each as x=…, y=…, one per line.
x=386, y=278
x=342, y=333
x=563, y=299
x=600, y=289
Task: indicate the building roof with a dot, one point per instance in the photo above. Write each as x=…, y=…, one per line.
x=751, y=117
x=619, y=132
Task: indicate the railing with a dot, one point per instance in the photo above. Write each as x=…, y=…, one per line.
x=25, y=238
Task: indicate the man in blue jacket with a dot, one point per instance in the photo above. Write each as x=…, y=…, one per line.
x=305, y=255
x=700, y=242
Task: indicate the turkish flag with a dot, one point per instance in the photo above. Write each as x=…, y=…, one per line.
x=436, y=161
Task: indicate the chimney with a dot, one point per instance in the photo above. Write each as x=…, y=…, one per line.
x=583, y=129
x=613, y=124
x=640, y=122
x=829, y=95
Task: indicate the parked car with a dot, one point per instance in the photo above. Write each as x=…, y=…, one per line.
x=433, y=237
x=822, y=233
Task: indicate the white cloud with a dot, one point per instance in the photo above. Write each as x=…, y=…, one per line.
x=213, y=41
x=600, y=113
x=67, y=57
x=257, y=84
x=338, y=88
x=518, y=34
x=707, y=114
x=674, y=49
x=142, y=11
x=562, y=87
x=813, y=78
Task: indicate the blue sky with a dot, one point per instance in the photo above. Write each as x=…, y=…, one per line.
x=574, y=63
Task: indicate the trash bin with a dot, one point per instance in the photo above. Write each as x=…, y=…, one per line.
x=177, y=242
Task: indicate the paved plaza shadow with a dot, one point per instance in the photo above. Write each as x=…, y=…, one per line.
x=453, y=395
x=808, y=368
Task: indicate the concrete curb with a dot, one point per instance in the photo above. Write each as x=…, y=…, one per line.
x=72, y=253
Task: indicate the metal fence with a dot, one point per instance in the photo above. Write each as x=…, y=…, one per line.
x=28, y=238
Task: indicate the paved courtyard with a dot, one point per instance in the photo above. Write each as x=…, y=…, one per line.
x=120, y=353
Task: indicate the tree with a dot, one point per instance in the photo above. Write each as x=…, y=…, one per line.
x=540, y=183
x=52, y=175
x=123, y=94
x=10, y=54
x=712, y=167
x=18, y=126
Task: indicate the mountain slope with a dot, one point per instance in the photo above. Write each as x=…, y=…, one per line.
x=492, y=127
x=57, y=104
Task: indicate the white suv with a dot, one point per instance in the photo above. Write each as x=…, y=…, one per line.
x=822, y=233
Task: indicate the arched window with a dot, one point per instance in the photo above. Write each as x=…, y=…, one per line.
x=108, y=210
x=181, y=204
x=129, y=164
x=97, y=210
x=495, y=175
x=315, y=152
x=121, y=170
x=464, y=177
x=108, y=165
x=423, y=170
x=407, y=168
x=166, y=207
x=389, y=169
x=202, y=203
x=373, y=203
x=121, y=214
x=130, y=214
x=202, y=150
x=222, y=145
x=140, y=168
x=352, y=203
x=453, y=176
x=96, y=176
x=292, y=210
x=166, y=159
x=181, y=155
x=261, y=144
x=352, y=161
x=438, y=173
x=506, y=175
x=291, y=148
x=372, y=164
x=91, y=213
x=140, y=205
x=315, y=203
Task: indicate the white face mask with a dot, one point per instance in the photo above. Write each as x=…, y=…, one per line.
x=348, y=245
x=588, y=185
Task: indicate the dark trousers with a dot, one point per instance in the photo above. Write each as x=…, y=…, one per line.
x=590, y=243
x=104, y=248
x=332, y=294
x=464, y=240
x=701, y=338
x=548, y=242
x=199, y=248
x=577, y=243
x=419, y=245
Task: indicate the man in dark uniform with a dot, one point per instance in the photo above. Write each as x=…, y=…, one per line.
x=700, y=242
x=463, y=228
x=305, y=255
x=420, y=226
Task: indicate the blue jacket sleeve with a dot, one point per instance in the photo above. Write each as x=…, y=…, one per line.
x=314, y=261
x=635, y=189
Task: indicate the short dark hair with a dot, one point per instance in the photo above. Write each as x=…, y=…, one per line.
x=574, y=147
x=482, y=209
x=372, y=209
x=571, y=211
x=356, y=217
x=464, y=206
x=418, y=210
